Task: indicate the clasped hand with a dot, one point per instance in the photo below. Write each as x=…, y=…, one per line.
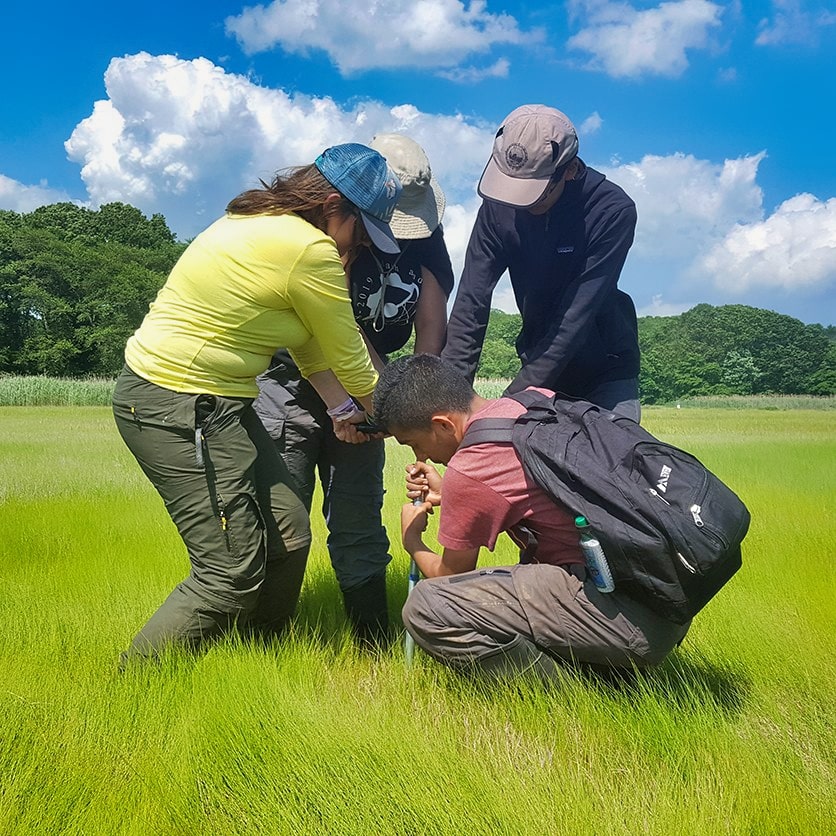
x=423, y=484
x=347, y=431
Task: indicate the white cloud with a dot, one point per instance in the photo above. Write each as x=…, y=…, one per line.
x=626, y=42
x=794, y=247
x=184, y=137
x=397, y=33
x=471, y=75
x=793, y=24
x=18, y=197
x=685, y=204
x=659, y=307
x=703, y=233
x=592, y=124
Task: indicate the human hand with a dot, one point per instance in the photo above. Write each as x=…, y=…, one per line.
x=423, y=482
x=349, y=432
x=414, y=524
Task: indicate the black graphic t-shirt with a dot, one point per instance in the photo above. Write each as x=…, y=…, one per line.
x=385, y=288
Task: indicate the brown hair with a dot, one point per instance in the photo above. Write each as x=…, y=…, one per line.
x=301, y=190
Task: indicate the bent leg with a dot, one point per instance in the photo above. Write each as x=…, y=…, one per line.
x=478, y=618
x=287, y=528
x=210, y=493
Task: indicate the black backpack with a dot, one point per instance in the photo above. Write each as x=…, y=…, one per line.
x=670, y=529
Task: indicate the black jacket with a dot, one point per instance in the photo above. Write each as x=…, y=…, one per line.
x=578, y=329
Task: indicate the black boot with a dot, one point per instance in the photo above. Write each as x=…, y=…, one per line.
x=367, y=610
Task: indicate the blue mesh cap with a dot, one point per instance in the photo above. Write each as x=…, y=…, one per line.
x=362, y=175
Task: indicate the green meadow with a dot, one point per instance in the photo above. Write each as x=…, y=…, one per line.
x=734, y=734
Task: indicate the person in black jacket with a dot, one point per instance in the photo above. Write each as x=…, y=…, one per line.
x=562, y=230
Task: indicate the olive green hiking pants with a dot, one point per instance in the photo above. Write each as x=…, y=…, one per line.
x=234, y=503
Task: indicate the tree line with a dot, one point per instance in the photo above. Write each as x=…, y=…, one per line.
x=726, y=350
x=75, y=283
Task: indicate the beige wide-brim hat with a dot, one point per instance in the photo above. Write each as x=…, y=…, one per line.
x=420, y=206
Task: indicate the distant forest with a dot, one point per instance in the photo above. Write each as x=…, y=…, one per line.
x=727, y=350
x=75, y=283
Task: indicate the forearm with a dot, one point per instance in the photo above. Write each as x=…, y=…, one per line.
x=431, y=316
x=332, y=392
x=485, y=262
x=428, y=561
x=434, y=565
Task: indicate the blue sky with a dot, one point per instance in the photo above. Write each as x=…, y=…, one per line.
x=717, y=118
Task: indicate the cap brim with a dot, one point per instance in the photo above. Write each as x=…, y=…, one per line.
x=380, y=233
x=418, y=219
x=520, y=192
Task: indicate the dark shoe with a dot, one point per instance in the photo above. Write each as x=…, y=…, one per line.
x=367, y=610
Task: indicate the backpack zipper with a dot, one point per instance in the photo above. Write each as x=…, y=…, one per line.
x=659, y=496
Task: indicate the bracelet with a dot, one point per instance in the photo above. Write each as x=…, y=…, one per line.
x=344, y=411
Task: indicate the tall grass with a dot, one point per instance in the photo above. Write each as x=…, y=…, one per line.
x=760, y=402
x=734, y=734
x=40, y=390
x=491, y=387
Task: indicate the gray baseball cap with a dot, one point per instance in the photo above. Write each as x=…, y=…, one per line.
x=530, y=145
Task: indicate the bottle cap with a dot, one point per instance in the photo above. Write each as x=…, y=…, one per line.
x=581, y=522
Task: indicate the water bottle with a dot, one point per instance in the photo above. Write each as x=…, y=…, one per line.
x=596, y=561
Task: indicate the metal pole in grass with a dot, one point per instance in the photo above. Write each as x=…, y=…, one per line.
x=414, y=577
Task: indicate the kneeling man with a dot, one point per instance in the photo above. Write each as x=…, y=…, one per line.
x=534, y=615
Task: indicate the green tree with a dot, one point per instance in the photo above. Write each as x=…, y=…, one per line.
x=733, y=349
x=823, y=380
x=74, y=284
x=498, y=360
x=499, y=355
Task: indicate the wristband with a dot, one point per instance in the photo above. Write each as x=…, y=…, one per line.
x=344, y=411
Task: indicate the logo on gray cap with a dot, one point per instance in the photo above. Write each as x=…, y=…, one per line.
x=516, y=156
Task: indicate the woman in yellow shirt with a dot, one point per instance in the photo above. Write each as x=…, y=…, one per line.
x=269, y=274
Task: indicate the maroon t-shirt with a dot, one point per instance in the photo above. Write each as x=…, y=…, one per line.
x=485, y=492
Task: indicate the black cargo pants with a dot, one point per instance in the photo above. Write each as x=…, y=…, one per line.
x=235, y=505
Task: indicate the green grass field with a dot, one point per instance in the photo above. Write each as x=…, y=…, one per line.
x=734, y=734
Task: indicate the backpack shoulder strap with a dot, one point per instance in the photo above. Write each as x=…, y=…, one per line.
x=489, y=431
x=527, y=397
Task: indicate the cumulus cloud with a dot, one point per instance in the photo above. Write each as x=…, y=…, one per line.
x=18, y=197
x=626, y=42
x=184, y=137
x=792, y=23
x=703, y=232
x=590, y=125
x=685, y=203
x=471, y=75
x=794, y=247
x=398, y=33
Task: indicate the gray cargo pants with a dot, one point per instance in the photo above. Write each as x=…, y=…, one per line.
x=351, y=475
x=229, y=494
x=480, y=618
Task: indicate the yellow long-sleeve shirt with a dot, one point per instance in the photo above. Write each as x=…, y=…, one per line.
x=247, y=285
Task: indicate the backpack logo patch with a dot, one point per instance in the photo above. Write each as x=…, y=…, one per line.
x=662, y=484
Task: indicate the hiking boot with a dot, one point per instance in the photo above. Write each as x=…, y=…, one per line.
x=367, y=610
